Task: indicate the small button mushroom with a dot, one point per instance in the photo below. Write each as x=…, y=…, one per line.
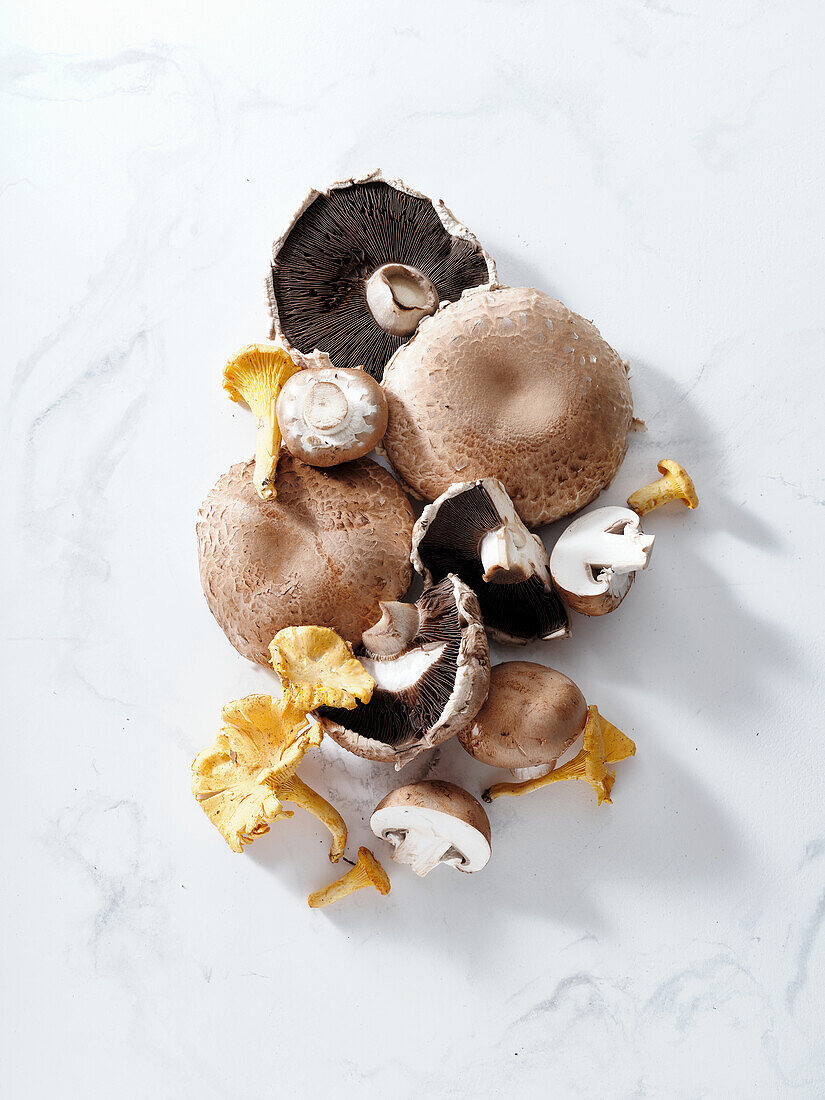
x=675, y=484
x=532, y=715
x=595, y=559
x=330, y=415
x=366, y=872
x=434, y=822
x=602, y=744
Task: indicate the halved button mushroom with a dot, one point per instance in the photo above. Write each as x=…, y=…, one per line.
x=509, y=383
x=434, y=822
x=473, y=530
x=328, y=415
x=431, y=668
x=595, y=559
x=362, y=263
x=532, y=715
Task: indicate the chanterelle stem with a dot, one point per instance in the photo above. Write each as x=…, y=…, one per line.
x=295, y=790
x=267, y=446
x=367, y=872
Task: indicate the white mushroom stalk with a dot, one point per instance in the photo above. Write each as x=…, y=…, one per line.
x=399, y=296
x=595, y=558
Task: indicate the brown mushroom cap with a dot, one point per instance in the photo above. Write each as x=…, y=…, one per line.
x=532, y=715
x=323, y=551
x=508, y=383
x=447, y=798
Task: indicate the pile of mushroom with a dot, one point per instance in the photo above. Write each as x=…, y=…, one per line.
x=503, y=411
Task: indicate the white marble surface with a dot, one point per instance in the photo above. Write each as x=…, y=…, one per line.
x=658, y=166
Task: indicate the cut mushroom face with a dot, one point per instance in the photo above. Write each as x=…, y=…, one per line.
x=595, y=559
x=431, y=669
x=362, y=263
x=532, y=715
x=434, y=822
x=508, y=383
x=329, y=415
x=473, y=530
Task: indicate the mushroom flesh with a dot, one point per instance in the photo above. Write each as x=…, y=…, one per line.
x=531, y=717
x=431, y=668
x=329, y=414
x=434, y=822
x=508, y=383
x=595, y=559
x=324, y=551
x=473, y=530
x=362, y=263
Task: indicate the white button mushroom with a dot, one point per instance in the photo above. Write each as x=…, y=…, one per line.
x=434, y=822
x=595, y=559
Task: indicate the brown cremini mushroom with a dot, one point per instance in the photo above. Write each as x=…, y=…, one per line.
x=329, y=415
x=434, y=822
x=366, y=872
x=324, y=551
x=532, y=716
x=674, y=484
x=508, y=383
x=362, y=263
x=431, y=668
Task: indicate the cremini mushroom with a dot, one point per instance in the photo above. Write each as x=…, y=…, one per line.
x=433, y=822
x=324, y=551
x=508, y=383
x=602, y=744
x=255, y=376
x=317, y=668
x=250, y=769
x=329, y=415
x=473, y=530
x=366, y=872
x=532, y=716
x=360, y=265
x=674, y=484
x=431, y=668
x=595, y=559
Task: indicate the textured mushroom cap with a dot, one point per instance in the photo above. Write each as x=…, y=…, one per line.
x=324, y=551
x=532, y=715
x=337, y=240
x=508, y=383
x=446, y=798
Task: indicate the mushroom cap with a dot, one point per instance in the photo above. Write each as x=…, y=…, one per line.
x=328, y=415
x=428, y=691
x=337, y=240
x=446, y=798
x=532, y=715
x=508, y=383
x=323, y=551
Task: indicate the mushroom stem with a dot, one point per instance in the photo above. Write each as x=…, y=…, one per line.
x=502, y=557
x=419, y=850
x=394, y=631
x=295, y=790
x=367, y=872
x=522, y=774
x=398, y=297
x=675, y=484
x=267, y=446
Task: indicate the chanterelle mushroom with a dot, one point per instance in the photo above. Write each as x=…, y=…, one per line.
x=473, y=530
x=602, y=744
x=324, y=551
x=431, y=669
x=532, y=716
x=510, y=384
x=433, y=822
x=674, y=484
x=366, y=872
x=255, y=375
x=242, y=779
x=317, y=668
x=329, y=414
x=595, y=559
x=362, y=263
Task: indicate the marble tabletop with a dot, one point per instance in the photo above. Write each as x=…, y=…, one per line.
x=657, y=165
